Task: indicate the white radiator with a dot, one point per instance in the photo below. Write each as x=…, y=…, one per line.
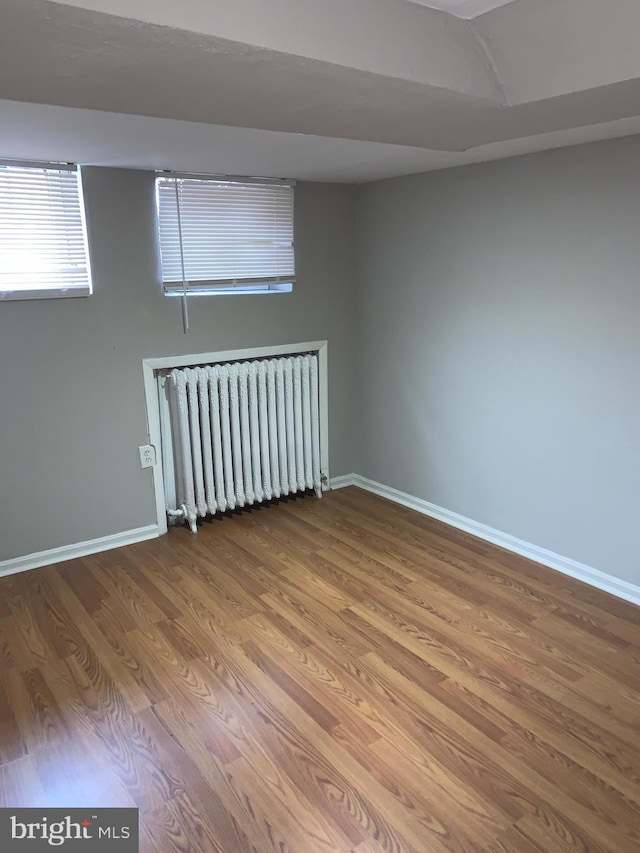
x=243, y=433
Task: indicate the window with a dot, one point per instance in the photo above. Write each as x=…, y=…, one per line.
x=221, y=235
x=43, y=250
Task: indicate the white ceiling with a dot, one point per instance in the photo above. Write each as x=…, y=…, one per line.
x=463, y=8
x=42, y=132
x=328, y=91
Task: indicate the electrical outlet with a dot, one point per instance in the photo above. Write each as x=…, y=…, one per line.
x=147, y=456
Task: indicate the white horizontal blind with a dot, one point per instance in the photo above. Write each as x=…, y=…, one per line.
x=225, y=235
x=43, y=249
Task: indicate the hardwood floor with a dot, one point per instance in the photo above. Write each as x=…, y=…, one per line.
x=333, y=675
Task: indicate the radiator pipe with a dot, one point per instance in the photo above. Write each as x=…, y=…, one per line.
x=182, y=513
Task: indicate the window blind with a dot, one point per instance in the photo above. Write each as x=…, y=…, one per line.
x=43, y=249
x=225, y=235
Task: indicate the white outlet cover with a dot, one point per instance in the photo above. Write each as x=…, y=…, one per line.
x=147, y=456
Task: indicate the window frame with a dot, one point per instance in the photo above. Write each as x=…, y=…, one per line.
x=69, y=292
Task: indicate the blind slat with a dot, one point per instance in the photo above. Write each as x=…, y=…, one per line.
x=42, y=236
x=232, y=234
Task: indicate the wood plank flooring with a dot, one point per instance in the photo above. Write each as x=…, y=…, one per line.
x=325, y=675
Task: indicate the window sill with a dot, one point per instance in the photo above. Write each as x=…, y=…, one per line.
x=232, y=291
x=62, y=293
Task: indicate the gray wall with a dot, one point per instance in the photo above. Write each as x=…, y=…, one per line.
x=497, y=336
x=71, y=395
x=499, y=367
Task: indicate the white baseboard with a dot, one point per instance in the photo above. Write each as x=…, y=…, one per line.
x=80, y=549
x=344, y=480
x=565, y=565
x=579, y=571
